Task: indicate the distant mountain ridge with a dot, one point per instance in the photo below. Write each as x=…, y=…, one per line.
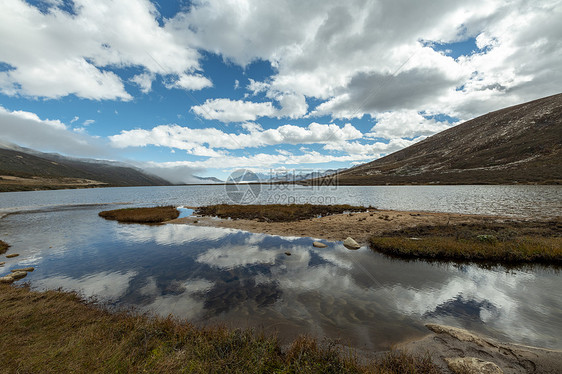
x=519, y=144
x=26, y=169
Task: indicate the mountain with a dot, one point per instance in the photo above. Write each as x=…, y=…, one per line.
x=519, y=144
x=24, y=169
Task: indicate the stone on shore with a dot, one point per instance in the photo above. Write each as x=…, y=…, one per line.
x=19, y=274
x=7, y=279
x=350, y=243
x=319, y=245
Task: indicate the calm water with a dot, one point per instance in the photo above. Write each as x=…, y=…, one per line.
x=212, y=275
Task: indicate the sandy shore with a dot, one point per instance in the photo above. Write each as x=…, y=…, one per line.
x=359, y=226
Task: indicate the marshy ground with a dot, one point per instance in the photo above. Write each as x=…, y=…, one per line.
x=54, y=332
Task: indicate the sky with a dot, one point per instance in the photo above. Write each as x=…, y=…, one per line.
x=205, y=87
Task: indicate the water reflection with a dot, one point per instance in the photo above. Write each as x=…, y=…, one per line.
x=210, y=275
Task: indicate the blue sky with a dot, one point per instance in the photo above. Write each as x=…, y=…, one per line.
x=206, y=87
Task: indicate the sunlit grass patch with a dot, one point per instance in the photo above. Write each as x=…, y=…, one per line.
x=276, y=212
x=142, y=215
x=507, y=242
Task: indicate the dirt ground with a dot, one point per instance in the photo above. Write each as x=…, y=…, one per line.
x=359, y=226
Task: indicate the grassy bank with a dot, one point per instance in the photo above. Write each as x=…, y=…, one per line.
x=276, y=212
x=509, y=242
x=3, y=247
x=142, y=215
x=52, y=331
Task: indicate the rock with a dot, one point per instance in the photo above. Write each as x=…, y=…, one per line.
x=2, y=263
x=24, y=269
x=349, y=243
x=472, y=365
x=7, y=279
x=19, y=274
x=288, y=253
x=319, y=245
x=12, y=255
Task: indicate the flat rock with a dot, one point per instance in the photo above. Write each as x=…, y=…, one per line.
x=19, y=274
x=2, y=263
x=459, y=334
x=7, y=279
x=472, y=365
x=12, y=255
x=23, y=269
x=319, y=245
x=350, y=243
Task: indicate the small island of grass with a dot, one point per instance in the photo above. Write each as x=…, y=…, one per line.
x=277, y=212
x=508, y=243
x=157, y=214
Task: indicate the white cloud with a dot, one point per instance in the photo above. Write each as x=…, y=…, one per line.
x=405, y=124
x=190, y=82
x=88, y=122
x=54, y=53
x=190, y=139
x=144, y=81
x=27, y=129
x=366, y=57
x=226, y=110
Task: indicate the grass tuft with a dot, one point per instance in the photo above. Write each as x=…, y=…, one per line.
x=53, y=332
x=142, y=215
x=276, y=212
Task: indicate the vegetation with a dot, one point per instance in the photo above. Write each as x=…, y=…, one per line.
x=3, y=247
x=142, y=215
x=276, y=212
x=509, y=242
x=52, y=332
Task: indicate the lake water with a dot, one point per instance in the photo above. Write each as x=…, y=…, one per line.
x=209, y=275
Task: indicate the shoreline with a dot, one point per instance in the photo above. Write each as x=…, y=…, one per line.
x=337, y=227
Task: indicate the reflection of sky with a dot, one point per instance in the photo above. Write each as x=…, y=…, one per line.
x=221, y=275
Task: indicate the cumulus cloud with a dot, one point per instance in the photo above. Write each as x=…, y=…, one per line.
x=189, y=139
x=226, y=110
x=370, y=57
x=405, y=124
x=54, y=53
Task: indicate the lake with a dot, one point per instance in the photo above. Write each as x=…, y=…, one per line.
x=209, y=275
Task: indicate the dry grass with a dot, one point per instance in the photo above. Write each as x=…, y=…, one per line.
x=3, y=247
x=276, y=212
x=53, y=332
x=515, y=242
x=142, y=215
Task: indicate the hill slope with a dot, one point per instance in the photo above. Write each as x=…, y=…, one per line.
x=22, y=170
x=519, y=144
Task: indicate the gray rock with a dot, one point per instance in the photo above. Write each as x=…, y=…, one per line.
x=350, y=243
